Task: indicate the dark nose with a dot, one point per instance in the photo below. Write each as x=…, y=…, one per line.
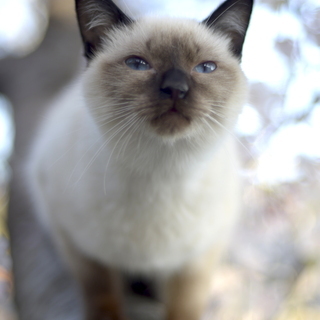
x=174, y=84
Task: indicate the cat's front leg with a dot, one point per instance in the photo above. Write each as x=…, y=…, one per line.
x=102, y=293
x=101, y=286
x=187, y=292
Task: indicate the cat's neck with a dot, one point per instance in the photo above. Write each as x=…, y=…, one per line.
x=147, y=155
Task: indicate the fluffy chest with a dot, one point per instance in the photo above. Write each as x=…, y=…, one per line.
x=145, y=224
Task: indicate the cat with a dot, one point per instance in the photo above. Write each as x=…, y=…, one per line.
x=134, y=168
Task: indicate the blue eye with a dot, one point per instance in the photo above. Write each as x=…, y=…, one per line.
x=137, y=63
x=206, y=67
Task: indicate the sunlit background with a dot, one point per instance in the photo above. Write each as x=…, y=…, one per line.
x=278, y=133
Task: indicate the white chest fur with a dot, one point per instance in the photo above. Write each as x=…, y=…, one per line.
x=141, y=222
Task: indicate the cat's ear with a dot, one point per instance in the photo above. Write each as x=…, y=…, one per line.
x=232, y=19
x=95, y=18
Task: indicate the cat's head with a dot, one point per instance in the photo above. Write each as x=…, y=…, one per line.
x=166, y=77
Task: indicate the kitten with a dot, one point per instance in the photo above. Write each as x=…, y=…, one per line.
x=134, y=169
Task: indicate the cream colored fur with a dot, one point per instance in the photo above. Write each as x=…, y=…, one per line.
x=142, y=201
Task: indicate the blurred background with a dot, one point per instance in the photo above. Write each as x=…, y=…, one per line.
x=273, y=268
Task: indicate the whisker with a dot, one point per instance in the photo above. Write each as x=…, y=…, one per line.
x=126, y=142
x=231, y=133
x=212, y=129
x=102, y=120
x=220, y=114
x=105, y=172
x=96, y=154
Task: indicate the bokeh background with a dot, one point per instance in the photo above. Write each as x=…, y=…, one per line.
x=273, y=268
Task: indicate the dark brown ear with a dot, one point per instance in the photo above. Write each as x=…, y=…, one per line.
x=232, y=19
x=95, y=18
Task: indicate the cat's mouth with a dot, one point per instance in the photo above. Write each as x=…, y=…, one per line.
x=171, y=121
x=173, y=109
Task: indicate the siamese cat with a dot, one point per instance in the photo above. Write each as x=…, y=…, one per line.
x=134, y=168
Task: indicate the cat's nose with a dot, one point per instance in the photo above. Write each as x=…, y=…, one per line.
x=174, y=84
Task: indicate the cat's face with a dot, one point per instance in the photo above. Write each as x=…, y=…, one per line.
x=211, y=97
x=171, y=78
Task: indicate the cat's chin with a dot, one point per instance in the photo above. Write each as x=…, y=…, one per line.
x=171, y=123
